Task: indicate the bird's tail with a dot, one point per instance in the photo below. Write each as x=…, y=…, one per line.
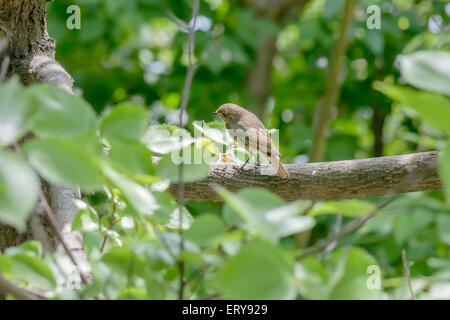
x=279, y=168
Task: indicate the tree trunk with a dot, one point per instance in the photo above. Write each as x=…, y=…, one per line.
x=259, y=77
x=31, y=54
x=378, y=119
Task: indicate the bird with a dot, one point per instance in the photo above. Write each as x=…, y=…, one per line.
x=249, y=132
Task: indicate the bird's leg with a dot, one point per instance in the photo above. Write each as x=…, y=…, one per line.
x=249, y=157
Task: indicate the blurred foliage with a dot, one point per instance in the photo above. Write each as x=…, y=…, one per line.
x=129, y=62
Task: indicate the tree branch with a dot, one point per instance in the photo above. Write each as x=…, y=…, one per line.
x=7, y=287
x=407, y=274
x=52, y=219
x=331, y=242
x=326, y=180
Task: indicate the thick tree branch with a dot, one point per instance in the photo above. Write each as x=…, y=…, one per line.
x=411, y=178
x=326, y=180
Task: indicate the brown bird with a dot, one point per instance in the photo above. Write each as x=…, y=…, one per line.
x=249, y=132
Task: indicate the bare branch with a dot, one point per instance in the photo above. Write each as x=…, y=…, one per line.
x=181, y=24
x=411, y=178
x=54, y=224
x=183, y=105
x=407, y=274
x=323, y=181
x=7, y=287
x=111, y=223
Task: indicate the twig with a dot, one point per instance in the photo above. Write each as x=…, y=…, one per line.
x=407, y=274
x=197, y=273
x=4, y=68
x=308, y=209
x=211, y=296
x=52, y=219
x=183, y=105
x=356, y=224
x=181, y=24
x=164, y=243
x=18, y=293
x=111, y=224
x=337, y=228
x=302, y=238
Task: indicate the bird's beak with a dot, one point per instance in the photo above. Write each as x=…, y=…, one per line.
x=213, y=114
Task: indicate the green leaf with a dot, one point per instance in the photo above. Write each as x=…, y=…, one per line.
x=140, y=198
x=166, y=206
x=32, y=270
x=205, y=229
x=64, y=162
x=29, y=248
x=174, y=220
x=271, y=218
x=313, y=279
x=374, y=40
x=346, y=208
x=60, y=113
x=287, y=221
x=444, y=171
x=332, y=8
x=92, y=241
x=219, y=135
x=127, y=121
x=443, y=226
x=15, y=112
x=427, y=70
x=86, y=218
x=407, y=226
x=155, y=290
x=19, y=189
x=124, y=260
x=249, y=206
x=432, y=108
x=163, y=139
x=131, y=157
x=258, y=271
x=230, y=217
x=194, y=168
x=133, y=294
x=352, y=276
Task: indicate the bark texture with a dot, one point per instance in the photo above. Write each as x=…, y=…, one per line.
x=324, y=180
x=31, y=53
x=30, y=49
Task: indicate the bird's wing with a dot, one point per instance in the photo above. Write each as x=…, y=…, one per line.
x=253, y=120
x=266, y=146
x=255, y=140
